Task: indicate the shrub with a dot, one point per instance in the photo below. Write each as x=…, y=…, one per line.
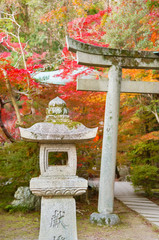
x=19, y=162
x=144, y=165
x=144, y=176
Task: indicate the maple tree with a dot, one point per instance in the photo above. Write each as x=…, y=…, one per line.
x=86, y=107
x=97, y=30
x=89, y=22
x=140, y=127
x=16, y=69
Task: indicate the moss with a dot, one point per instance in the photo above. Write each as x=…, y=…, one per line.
x=88, y=48
x=70, y=124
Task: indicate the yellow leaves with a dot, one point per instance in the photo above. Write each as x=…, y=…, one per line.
x=98, y=98
x=87, y=5
x=139, y=75
x=81, y=12
x=28, y=153
x=57, y=15
x=77, y=2
x=104, y=20
x=71, y=9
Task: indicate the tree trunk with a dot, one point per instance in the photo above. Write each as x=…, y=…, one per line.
x=5, y=131
x=19, y=121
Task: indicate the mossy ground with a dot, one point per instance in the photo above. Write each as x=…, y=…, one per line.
x=25, y=226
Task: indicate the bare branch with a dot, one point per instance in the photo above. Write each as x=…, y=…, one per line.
x=23, y=93
x=9, y=46
x=156, y=115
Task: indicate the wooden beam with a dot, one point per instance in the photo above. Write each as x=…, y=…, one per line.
x=74, y=46
x=107, y=61
x=101, y=85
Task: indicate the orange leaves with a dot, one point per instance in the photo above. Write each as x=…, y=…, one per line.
x=56, y=15
x=73, y=7
x=150, y=136
x=96, y=138
x=139, y=75
x=154, y=37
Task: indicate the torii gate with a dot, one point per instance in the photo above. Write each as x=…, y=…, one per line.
x=115, y=59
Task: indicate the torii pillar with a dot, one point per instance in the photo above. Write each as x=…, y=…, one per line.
x=115, y=59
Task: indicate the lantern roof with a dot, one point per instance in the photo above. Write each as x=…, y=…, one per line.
x=57, y=127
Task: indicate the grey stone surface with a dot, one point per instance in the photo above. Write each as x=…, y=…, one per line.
x=49, y=186
x=24, y=198
x=61, y=133
x=56, y=110
x=100, y=61
x=57, y=128
x=93, y=183
x=101, y=85
x=108, y=160
x=58, y=183
x=123, y=172
x=69, y=169
x=78, y=46
x=104, y=219
x=58, y=219
x=124, y=192
x=116, y=59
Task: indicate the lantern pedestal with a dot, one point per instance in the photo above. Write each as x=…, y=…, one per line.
x=58, y=208
x=58, y=219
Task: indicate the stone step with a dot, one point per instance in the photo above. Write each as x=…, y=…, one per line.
x=148, y=204
x=146, y=212
x=147, y=215
x=135, y=200
x=153, y=219
x=132, y=198
x=143, y=206
x=156, y=223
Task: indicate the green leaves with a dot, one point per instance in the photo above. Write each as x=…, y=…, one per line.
x=145, y=176
x=124, y=28
x=144, y=165
x=18, y=163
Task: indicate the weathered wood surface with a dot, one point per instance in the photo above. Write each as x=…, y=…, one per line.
x=125, y=62
x=74, y=46
x=101, y=85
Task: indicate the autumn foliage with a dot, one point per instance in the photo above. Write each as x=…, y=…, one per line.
x=89, y=22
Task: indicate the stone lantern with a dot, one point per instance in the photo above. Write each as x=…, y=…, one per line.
x=58, y=182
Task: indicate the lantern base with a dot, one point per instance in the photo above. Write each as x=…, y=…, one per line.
x=58, y=219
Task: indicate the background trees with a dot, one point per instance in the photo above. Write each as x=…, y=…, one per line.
x=32, y=37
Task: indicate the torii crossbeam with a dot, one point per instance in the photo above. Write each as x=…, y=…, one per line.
x=115, y=59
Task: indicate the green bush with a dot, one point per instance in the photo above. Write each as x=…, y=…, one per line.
x=144, y=176
x=11, y=209
x=144, y=161
x=19, y=162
